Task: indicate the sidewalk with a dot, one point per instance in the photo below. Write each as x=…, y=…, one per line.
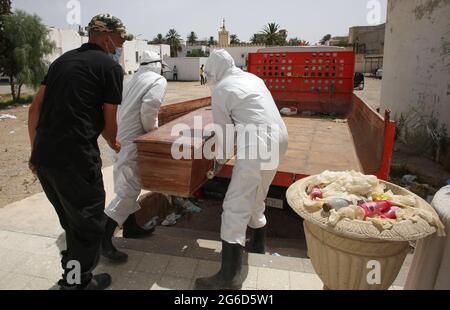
x=31, y=239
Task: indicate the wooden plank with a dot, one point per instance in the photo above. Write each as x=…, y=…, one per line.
x=160, y=171
x=316, y=145
x=171, y=112
x=163, y=174
x=164, y=135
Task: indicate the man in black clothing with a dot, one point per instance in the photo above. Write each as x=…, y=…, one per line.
x=77, y=102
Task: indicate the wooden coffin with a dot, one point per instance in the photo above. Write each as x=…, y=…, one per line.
x=160, y=172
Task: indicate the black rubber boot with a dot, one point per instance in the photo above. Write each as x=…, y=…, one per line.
x=89, y=283
x=131, y=230
x=99, y=282
x=258, y=241
x=229, y=277
x=108, y=249
x=64, y=259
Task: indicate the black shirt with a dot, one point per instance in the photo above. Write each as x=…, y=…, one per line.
x=77, y=85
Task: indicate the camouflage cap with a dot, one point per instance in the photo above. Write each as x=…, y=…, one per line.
x=109, y=23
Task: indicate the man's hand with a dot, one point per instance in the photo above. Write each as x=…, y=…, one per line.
x=110, y=130
x=116, y=146
x=33, y=114
x=32, y=168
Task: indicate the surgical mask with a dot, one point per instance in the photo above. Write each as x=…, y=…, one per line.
x=117, y=53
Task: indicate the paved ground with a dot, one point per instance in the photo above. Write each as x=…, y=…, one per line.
x=6, y=89
x=183, y=91
x=31, y=239
x=371, y=93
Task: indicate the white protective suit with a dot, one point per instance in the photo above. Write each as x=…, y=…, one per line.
x=242, y=99
x=430, y=268
x=137, y=115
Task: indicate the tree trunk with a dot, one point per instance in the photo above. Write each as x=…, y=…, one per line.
x=19, y=91
x=13, y=88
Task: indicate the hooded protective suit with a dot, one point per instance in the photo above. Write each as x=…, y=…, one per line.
x=242, y=99
x=138, y=114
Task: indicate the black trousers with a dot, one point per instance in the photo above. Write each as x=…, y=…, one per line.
x=175, y=76
x=78, y=197
x=202, y=80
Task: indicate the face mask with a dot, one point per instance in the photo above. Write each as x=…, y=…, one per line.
x=117, y=53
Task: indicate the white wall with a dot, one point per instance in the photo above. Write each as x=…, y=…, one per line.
x=130, y=60
x=417, y=58
x=240, y=53
x=65, y=40
x=188, y=67
x=132, y=51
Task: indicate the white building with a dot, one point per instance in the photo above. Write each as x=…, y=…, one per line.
x=188, y=67
x=67, y=39
x=416, y=71
x=132, y=52
x=239, y=52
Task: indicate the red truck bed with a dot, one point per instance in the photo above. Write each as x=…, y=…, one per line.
x=361, y=140
x=349, y=135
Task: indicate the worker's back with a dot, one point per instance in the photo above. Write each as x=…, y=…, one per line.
x=129, y=116
x=248, y=100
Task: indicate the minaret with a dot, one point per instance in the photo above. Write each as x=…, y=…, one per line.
x=224, y=35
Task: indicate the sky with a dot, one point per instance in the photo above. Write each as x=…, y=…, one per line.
x=309, y=20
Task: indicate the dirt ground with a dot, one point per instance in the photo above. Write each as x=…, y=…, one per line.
x=16, y=181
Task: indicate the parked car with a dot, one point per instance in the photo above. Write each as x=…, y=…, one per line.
x=4, y=79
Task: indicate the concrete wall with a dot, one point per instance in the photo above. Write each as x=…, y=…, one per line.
x=188, y=67
x=240, y=53
x=133, y=50
x=65, y=40
x=417, y=58
x=368, y=39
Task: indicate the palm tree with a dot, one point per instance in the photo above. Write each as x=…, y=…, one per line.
x=174, y=40
x=325, y=39
x=159, y=39
x=234, y=39
x=212, y=41
x=257, y=38
x=271, y=34
x=298, y=42
x=192, y=38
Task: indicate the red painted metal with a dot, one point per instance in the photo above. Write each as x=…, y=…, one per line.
x=306, y=76
x=312, y=81
x=389, y=140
